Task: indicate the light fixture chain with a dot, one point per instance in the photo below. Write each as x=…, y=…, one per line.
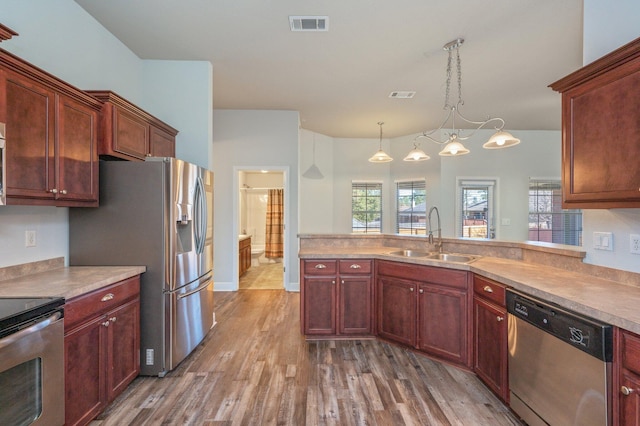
x=460, y=101
x=446, y=98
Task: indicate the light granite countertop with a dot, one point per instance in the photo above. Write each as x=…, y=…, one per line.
x=608, y=301
x=67, y=282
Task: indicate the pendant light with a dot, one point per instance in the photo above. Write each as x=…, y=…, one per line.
x=380, y=156
x=453, y=143
x=313, y=172
x=416, y=154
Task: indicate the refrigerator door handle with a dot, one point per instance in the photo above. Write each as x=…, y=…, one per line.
x=197, y=290
x=200, y=216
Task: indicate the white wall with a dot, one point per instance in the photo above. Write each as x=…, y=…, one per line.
x=245, y=140
x=537, y=156
x=313, y=218
x=605, y=29
x=61, y=38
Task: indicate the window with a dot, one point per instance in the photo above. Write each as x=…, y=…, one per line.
x=366, y=207
x=476, y=209
x=548, y=221
x=411, y=207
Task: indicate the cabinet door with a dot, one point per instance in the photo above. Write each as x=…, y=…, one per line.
x=30, y=113
x=442, y=323
x=130, y=134
x=354, y=305
x=490, y=344
x=84, y=349
x=162, y=144
x=77, y=152
x=630, y=404
x=123, y=347
x=397, y=310
x=319, y=305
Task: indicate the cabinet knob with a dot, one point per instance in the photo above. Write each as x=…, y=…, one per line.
x=500, y=319
x=106, y=323
x=320, y=266
x=488, y=289
x=112, y=319
x=626, y=391
x=107, y=297
x=421, y=291
x=410, y=288
x=149, y=154
x=342, y=281
x=53, y=191
x=333, y=281
x=355, y=266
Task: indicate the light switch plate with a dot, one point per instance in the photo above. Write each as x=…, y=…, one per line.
x=603, y=241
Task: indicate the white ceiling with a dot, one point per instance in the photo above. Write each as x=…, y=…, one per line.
x=340, y=80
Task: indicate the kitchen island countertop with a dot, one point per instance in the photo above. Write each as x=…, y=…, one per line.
x=603, y=299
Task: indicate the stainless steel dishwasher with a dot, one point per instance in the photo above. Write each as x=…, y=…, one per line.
x=559, y=364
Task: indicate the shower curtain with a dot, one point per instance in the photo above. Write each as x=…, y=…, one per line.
x=274, y=244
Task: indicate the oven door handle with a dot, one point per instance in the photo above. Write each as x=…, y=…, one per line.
x=12, y=338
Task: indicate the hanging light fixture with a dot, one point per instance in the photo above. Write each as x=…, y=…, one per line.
x=416, y=154
x=313, y=172
x=453, y=144
x=380, y=156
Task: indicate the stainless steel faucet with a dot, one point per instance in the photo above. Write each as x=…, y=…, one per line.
x=439, y=242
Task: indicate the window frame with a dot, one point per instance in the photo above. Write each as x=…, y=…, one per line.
x=367, y=186
x=491, y=184
x=413, y=185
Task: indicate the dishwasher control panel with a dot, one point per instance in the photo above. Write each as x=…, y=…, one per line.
x=587, y=334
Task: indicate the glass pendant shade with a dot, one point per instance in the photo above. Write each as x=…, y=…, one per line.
x=453, y=148
x=501, y=139
x=380, y=157
x=416, y=154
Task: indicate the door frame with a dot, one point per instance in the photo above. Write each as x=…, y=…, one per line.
x=287, y=237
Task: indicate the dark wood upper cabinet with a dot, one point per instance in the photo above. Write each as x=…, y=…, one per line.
x=600, y=127
x=51, y=137
x=130, y=133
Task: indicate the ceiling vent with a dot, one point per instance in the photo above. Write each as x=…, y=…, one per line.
x=402, y=94
x=309, y=23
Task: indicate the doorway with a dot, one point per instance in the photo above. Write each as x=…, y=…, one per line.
x=260, y=223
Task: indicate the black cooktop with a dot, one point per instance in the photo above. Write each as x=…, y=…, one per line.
x=19, y=312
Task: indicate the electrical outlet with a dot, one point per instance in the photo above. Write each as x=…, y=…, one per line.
x=29, y=238
x=634, y=244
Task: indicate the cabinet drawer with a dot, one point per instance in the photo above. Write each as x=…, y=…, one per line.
x=320, y=267
x=630, y=351
x=349, y=267
x=99, y=301
x=490, y=290
x=435, y=275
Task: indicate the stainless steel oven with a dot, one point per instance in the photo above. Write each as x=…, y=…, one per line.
x=31, y=361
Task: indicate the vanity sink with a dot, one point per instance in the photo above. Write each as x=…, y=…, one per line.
x=448, y=257
x=410, y=253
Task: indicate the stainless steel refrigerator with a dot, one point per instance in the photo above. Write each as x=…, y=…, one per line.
x=157, y=213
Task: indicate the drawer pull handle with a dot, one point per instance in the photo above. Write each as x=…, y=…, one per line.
x=355, y=266
x=500, y=319
x=107, y=297
x=321, y=266
x=106, y=323
x=488, y=289
x=626, y=391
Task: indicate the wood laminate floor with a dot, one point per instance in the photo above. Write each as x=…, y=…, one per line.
x=254, y=368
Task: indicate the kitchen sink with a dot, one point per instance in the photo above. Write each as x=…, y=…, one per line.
x=448, y=257
x=411, y=253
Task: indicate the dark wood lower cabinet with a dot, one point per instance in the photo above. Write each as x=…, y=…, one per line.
x=626, y=383
x=426, y=308
x=337, y=298
x=102, y=348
